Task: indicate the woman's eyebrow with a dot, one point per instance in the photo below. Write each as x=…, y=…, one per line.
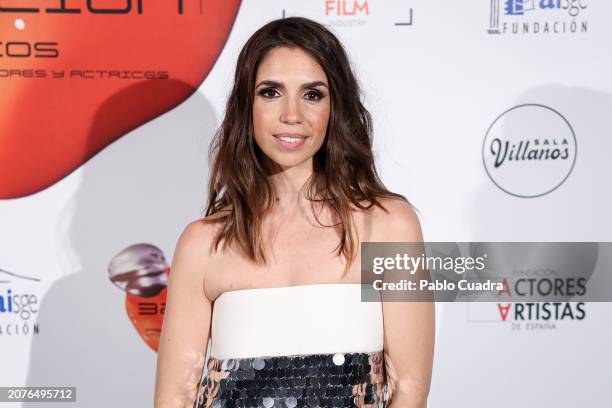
x=276, y=84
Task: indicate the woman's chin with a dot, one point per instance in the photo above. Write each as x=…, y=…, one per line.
x=284, y=162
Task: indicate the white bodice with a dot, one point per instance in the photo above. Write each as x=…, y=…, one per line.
x=293, y=320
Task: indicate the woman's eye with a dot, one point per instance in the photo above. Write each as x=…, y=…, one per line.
x=271, y=93
x=268, y=92
x=316, y=95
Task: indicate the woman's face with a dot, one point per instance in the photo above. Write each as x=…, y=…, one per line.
x=291, y=107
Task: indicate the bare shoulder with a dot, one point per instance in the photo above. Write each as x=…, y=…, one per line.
x=399, y=222
x=193, y=255
x=196, y=239
x=195, y=246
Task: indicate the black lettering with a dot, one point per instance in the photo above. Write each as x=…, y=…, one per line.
x=10, y=49
x=582, y=285
x=567, y=311
x=516, y=289
x=559, y=287
x=127, y=9
x=545, y=291
x=546, y=311
x=63, y=9
x=46, y=52
x=570, y=286
x=518, y=311
x=580, y=308
x=19, y=9
x=147, y=308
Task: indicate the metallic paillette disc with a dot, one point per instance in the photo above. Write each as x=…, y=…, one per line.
x=311, y=380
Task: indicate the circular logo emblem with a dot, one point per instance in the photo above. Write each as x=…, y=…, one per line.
x=529, y=150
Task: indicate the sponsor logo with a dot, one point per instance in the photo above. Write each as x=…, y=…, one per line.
x=542, y=315
x=141, y=271
x=537, y=17
x=18, y=304
x=529, y=150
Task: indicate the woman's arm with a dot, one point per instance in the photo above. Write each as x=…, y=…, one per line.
x=409, y=327
x=186, y=326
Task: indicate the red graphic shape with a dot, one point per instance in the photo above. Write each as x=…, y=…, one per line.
x=506, y=288
x=50, y=126
x=503, y=310
x=147, y=316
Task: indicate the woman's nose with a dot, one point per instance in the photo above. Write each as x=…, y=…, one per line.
x=290, y=111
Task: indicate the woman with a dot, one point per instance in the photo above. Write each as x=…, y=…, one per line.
x=293, y=192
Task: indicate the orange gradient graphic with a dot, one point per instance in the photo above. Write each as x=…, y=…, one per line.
x=147, y=317
x=142, y=272
x=71, y=83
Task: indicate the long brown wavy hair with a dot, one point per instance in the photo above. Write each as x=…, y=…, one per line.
x=343, y=168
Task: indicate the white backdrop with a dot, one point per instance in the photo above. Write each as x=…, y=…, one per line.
x=435, y=79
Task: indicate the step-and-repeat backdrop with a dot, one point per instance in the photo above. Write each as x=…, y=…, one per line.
x=492, y=116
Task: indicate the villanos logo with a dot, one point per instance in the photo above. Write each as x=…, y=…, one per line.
x=537, y=17
x=529, y=150
x=18, y=306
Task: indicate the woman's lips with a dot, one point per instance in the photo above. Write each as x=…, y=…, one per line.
x=290, y=141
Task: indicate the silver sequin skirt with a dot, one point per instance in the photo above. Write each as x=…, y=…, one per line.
x=311, y=380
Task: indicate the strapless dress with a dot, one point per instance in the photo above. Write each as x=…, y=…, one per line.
x=315, y=345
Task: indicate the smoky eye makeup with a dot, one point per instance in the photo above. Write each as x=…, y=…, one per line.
x=266, y=92
x=310, y=94
x=316, y=94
